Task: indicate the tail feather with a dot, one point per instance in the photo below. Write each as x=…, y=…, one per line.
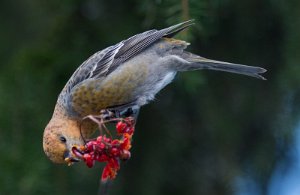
x=197, y=62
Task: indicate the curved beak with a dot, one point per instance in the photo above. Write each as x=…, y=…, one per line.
x=70, y=158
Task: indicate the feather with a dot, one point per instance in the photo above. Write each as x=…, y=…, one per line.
x=106, y=61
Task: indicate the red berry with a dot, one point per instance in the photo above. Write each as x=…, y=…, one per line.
x=106, y=139
x=126, y=144
x=131, y=130
x=126, y=129
x=102, y=158
x=125, y=155
x=115, y=152
x=89, y=146
x=120, y=127
x=114, y=163
x=99, y=139
x=105, y=173
x=102, y=145
x=88, y=160
x=115, y=142
x=129, y=120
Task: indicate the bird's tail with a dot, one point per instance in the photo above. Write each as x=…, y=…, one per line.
x=197, y=62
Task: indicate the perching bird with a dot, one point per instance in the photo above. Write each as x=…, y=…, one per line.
x=128, y=74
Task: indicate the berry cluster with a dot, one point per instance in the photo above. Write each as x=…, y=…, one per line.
x=111, y=151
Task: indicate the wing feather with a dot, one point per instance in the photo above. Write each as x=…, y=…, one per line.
x=105, y=61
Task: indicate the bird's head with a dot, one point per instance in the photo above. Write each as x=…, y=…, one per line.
x=59, y=138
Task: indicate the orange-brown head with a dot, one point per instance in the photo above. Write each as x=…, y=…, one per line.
x=60, y=136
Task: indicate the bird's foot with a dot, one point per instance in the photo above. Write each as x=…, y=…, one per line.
x=128, y=112
x=104, y=117
x=106, y=114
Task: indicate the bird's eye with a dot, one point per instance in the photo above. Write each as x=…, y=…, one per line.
x=63, y=139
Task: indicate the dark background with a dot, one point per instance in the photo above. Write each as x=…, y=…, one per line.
x=206, y=133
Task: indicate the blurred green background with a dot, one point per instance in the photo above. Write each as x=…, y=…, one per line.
x=206, y=133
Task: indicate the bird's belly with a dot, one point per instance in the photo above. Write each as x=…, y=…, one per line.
x=154, y=88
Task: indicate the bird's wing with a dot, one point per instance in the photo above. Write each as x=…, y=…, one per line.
x=106, y=61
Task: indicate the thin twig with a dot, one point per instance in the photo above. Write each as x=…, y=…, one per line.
x=185, y=14
x=104, y=187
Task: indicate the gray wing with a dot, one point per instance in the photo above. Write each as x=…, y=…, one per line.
x=105, y=61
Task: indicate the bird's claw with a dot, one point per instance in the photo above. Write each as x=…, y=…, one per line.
x=106, y=114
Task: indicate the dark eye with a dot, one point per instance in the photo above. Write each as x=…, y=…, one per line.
x=63, y=139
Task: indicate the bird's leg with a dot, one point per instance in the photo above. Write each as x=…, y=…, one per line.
x=105, y=128
x=107, y=116
x=104, y=117
x=96, y=119
x=112, y=116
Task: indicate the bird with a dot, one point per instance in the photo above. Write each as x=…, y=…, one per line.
x=123, y=77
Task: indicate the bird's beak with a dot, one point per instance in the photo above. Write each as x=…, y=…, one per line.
x=70, y=158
